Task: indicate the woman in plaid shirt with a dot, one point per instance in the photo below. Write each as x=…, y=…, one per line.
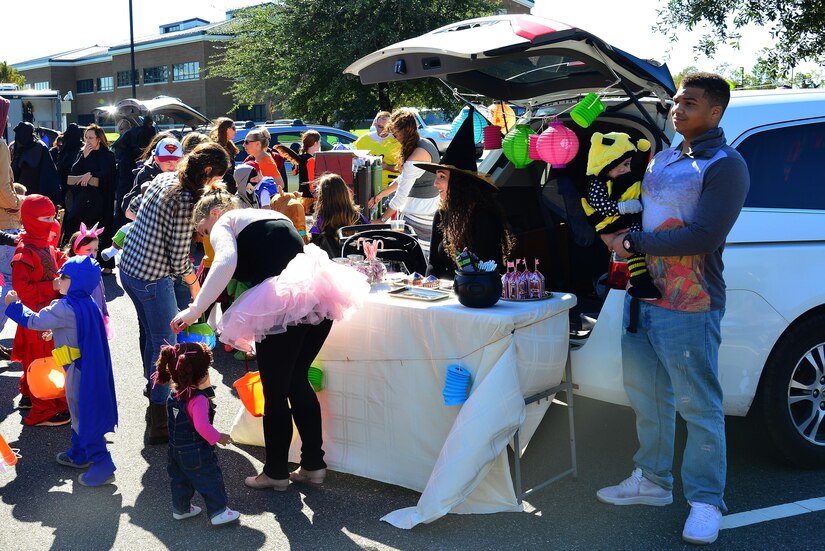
x=156, y=251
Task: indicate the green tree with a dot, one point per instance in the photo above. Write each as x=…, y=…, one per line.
x=10, y=74
x=677, y=78
x=293, y=54
x=798, y=27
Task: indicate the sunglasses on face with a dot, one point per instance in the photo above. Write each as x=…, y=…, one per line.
x=250, y=141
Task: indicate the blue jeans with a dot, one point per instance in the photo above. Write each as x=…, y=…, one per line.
x=195, y=467
x=670, y=364
x=6, y=254
x=156, y=305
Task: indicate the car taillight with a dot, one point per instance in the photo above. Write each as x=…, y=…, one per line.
x=617, y=274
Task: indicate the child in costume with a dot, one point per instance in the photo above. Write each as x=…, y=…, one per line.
x=86, y=242
x=80, y=339
x=612, y=201
x=191, y=412
x=34, y=271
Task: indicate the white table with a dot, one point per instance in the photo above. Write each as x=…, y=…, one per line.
x=383, y=413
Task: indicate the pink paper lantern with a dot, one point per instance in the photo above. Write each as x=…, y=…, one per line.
x=492, y=137
x=533, y=150
x=558, y=145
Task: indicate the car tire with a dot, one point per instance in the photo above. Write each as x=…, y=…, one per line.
x=791, y=398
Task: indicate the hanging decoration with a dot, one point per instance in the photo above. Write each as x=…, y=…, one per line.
x=586, y=111
x=557, y=145
x=533, y=150
x=503, y=116
x=479, y=122
x=516, y=145
x=492, y=137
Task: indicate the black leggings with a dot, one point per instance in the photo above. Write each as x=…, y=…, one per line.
x=284, y=360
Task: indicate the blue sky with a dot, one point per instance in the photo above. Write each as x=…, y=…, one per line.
x=627, y=25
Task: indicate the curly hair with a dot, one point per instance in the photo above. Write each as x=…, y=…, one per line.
x=219, y=135
x=464, y=198
x=335, y=206
x=214, y=196
x=185, y=364
x=192, y=168
x=404, y=120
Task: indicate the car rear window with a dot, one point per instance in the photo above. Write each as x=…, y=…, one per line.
x=786, y=167
x=534, y=69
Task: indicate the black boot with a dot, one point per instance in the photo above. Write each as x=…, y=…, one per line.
x=158, y=430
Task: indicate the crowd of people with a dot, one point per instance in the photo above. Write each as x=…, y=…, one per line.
x=177, y=191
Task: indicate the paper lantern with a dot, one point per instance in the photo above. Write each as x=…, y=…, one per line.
x=492, y=137
x=46, y=379
x=533, y=150
x=251, y=392
x=516, y=145
x=558, y=145
x=503, y=116
x=479, y=122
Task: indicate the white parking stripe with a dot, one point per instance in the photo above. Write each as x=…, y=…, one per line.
x=746, y=518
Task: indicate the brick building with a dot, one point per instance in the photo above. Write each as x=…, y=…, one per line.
x=171, y=63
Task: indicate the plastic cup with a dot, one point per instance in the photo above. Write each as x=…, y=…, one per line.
x=587, y=110
x=397, y=225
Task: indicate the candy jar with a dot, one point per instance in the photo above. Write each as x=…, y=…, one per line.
x=363, y=266
x=378, y=271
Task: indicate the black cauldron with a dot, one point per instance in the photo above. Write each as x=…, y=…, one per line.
x=477, y=289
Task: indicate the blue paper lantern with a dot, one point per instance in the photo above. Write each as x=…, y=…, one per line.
x=479, y=122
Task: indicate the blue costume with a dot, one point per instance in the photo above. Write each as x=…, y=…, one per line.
x=265, y=191
x=76, y=322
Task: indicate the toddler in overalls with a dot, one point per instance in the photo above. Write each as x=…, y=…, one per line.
x=192, y=462
x=79, y=337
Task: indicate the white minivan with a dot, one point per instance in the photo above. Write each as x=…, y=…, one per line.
x=772, y=359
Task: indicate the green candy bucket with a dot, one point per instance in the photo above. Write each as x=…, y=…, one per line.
x=587, y=110
x=316, y=378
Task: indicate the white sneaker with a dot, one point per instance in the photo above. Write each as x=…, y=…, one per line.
x=635, y=490
x=194, y=510
x=702, y=524
x=228, y=515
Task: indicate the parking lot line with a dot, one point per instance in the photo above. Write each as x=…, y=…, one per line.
x=746, y=518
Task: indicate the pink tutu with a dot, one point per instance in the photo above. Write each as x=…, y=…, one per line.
x=310, y=289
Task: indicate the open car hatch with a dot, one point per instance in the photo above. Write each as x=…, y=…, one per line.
x=161, y=105
x=522, y=59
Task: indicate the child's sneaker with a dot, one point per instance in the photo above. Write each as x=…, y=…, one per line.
x=24, y=403
x=62, y=418
x=702, y=525
x=635, y=490
x=84, y=482
x=194, y=510
x=228, y=515
x=64, y=459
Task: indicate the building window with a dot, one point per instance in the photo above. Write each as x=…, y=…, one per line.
x=171, y=29
x=44, y=85
x=255, y=112
x=105, y=84
x=186, y=71
x=85, y=86
x=123, y=79
x=155, y=75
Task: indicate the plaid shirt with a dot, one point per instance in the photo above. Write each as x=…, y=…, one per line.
x=158, y=244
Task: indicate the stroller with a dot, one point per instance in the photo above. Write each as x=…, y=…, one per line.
x=402, y=251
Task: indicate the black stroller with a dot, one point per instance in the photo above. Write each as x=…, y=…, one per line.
x=401, y=250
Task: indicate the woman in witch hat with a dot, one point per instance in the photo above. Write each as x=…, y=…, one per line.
x=469, y=215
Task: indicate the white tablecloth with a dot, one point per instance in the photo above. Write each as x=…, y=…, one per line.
x=384, y=416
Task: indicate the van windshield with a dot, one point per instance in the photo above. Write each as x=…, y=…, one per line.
x=433, y=117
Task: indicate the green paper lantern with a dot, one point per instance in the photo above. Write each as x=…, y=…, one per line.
x=516, y=145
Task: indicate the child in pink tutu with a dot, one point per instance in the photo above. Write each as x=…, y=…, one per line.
x=295, y=294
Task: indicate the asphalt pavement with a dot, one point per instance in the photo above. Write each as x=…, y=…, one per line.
x=42, y=506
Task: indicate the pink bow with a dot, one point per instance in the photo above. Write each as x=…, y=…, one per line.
x=84, y=233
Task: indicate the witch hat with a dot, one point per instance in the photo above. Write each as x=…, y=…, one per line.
x=461, y=154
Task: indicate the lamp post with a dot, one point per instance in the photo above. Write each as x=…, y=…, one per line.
x=132, y=50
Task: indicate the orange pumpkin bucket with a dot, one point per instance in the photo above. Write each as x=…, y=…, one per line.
x=251, y=392
x=46, y=379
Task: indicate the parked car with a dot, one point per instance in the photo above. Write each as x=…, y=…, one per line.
x=288, y=132
x=434, y=125
x=772, y=358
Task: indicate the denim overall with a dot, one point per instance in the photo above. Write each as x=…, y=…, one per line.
x=192, y=462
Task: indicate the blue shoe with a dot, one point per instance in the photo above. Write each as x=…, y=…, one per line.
x=64, y=459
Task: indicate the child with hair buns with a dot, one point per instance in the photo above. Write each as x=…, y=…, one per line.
x=192, y=462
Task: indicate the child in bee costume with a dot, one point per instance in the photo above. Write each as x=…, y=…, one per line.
x=612, y=201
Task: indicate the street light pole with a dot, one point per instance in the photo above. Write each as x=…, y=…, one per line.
x=132, y=50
